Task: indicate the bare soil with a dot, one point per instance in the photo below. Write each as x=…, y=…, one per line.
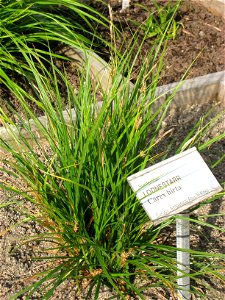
x=200, y=37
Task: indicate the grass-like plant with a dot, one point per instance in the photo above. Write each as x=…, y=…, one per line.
x=76, y=176
x=158, y=20
x=39, y=23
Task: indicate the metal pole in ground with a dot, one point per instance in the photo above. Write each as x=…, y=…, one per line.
x=183, y=258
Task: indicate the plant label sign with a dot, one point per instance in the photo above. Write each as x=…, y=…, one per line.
x=174, y=185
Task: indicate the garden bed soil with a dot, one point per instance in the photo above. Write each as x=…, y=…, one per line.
x=200, y=38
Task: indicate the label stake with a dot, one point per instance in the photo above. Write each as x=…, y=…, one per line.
x=183, y=258
x=125, y=4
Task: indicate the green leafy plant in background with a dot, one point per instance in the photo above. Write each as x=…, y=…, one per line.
x=157, y=22
x=39, y=23
x=76, y=176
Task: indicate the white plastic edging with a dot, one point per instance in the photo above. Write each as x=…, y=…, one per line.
x=8, y=134
x=197, y=90
x=216, y=7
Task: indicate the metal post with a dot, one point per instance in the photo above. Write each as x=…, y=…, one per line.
x=183, y=258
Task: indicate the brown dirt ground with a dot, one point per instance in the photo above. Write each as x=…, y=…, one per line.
x=200, y=37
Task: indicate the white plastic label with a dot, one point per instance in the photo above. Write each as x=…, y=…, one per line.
x=174, y=185
x=125, y=4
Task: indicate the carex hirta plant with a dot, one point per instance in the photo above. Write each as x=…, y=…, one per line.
x=73, y=164
x=78, y=183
